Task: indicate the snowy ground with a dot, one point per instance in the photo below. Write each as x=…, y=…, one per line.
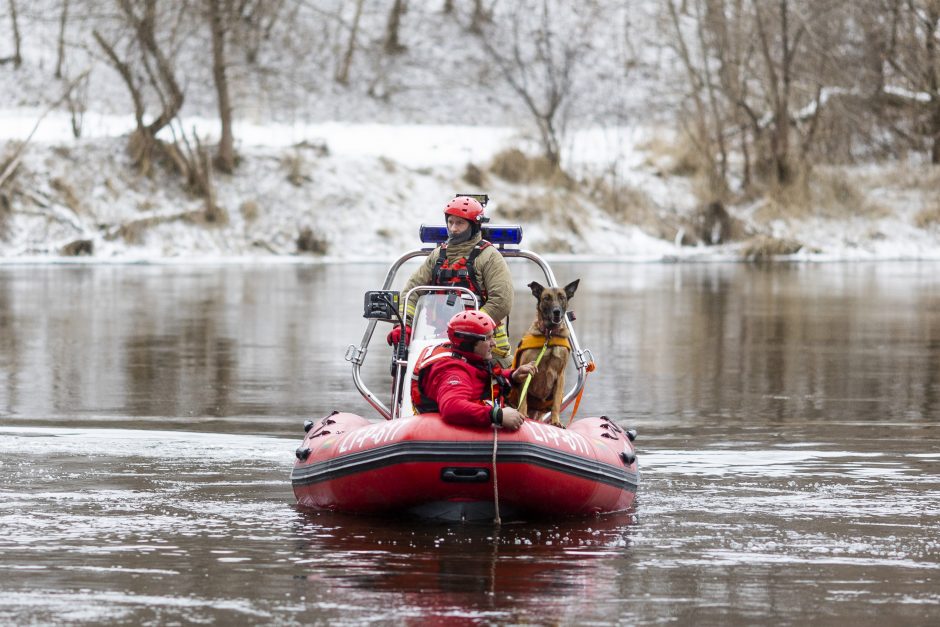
x=363, y=189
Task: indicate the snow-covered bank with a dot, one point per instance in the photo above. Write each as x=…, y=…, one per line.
x=346, y=192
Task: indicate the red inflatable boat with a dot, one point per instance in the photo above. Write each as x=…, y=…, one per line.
x=420, y=465
x=423, y=466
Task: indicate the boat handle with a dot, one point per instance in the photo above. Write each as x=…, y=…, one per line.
x=462, y=474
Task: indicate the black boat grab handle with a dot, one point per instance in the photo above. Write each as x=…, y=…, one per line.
x=460, y=474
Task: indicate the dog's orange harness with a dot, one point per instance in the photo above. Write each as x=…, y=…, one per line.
x=543, y=342
x=538, y=341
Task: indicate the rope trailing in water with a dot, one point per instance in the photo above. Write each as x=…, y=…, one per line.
x=577, y=403
x=496, y=519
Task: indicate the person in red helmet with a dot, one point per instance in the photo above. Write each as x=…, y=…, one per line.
x=459, y=379
x=467, y=260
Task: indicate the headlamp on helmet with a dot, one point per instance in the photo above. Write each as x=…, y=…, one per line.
x=468, y=208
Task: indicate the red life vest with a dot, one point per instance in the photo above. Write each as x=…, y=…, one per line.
x=461, y=272
x=431, y=354
x=498, y=385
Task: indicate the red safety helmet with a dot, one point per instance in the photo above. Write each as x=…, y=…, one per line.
x=467, y=208
x=470, y=325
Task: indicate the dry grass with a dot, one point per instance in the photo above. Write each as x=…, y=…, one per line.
x=672, y=157
x=526, y=211
x=78, y=248
x=829, y=192
x=210, y=215
x=558, y=245
x=133, y=231
x=836, y=193
x=929, y=216
x=630, y=205
x=510, y=165
x=765, y=248
x=711, y=224
x=514, y=166
x=308, y=242
x=69, y=197
x=474, y=176
x=556, y=209
x=624, y=203
x=903, y=175
x=249, y=210
x=296, y=166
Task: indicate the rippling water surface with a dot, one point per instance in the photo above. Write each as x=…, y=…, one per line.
x=788, y=447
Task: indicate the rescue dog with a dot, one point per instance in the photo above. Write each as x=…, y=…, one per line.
x=548, y=331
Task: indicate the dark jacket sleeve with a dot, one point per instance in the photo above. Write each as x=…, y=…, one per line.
x=458, y=395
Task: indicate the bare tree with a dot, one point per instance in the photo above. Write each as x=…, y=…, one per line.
x=60, y=56
x=161, y=78
x=764, y=72
x=539, y=59
x=911, y=82
x=707, y=125
x=393, y=44
x=17, y=58
x=220, y=14
x=342, y=73
x=254, y=25
x=480, y=17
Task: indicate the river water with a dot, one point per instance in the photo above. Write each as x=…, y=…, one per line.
x=789, y=452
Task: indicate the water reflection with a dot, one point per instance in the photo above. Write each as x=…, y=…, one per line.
x=210, y=346
x=514, y=573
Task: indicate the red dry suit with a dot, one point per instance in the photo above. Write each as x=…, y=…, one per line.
x=458, y=386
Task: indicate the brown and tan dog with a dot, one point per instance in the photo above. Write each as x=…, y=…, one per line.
x=547, y=388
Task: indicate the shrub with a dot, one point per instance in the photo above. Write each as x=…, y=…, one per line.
x=474, y=176
x=765, y=248
x=296, y=167
x=307, y=242
x=514, y=166
x=511, y=165
x=928, y=217
x=249, y=210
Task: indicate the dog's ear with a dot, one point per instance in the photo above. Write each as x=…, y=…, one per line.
x=571, y=287
x=537, y=289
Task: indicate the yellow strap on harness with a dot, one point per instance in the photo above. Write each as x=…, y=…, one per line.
x=533, y=341
x=538, y=341
x=528, y=379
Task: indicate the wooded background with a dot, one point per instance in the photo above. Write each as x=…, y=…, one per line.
x=758, y=92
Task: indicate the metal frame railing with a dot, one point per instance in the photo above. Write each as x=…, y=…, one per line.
x=357, y=354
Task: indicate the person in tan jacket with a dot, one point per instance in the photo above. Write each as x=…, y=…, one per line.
x=467, y=260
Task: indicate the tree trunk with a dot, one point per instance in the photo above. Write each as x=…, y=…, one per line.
x=17, y=58
x=63, y=19
x=342, y=75
x=219, y=12
x=935, y=148
x=171, y=96
x=392, y=43
x=933, y=80
x=480, y=16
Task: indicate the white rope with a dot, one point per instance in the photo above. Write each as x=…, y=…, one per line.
x=496, y=519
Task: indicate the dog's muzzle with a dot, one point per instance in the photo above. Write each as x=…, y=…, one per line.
x=556, y=316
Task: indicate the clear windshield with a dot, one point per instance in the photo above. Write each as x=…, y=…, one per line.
x=432, y=313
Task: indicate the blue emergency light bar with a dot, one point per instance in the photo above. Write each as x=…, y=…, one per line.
x=498, y=234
